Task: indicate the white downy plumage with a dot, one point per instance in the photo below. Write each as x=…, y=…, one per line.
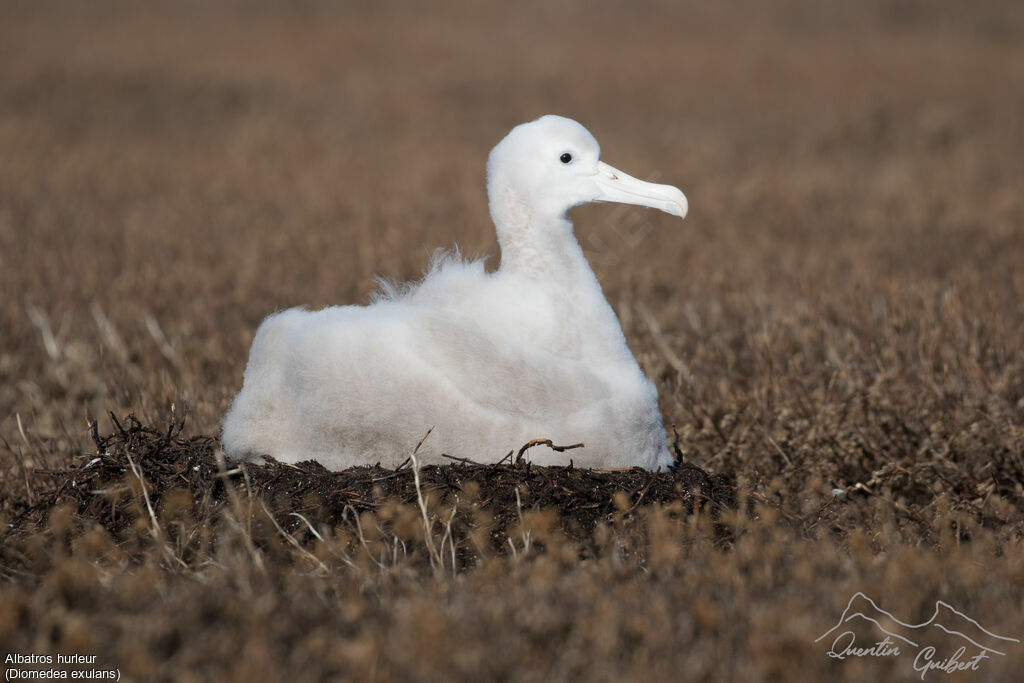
x=492, y=360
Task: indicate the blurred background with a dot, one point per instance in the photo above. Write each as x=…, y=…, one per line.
x=170, y=173
x=843, y=308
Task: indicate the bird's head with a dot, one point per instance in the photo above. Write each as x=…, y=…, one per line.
x=553, y=164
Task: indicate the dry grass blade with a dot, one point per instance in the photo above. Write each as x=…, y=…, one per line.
x=293, y=541
x=436, y=558
x=158, y=534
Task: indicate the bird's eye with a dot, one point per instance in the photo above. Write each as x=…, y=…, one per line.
x=566, y=158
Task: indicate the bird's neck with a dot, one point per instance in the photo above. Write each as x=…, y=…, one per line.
x=544, y=253
x=535, y=244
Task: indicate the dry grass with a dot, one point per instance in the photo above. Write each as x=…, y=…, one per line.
x=843, y=308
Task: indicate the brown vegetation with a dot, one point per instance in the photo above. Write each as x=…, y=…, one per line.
x=841, y=310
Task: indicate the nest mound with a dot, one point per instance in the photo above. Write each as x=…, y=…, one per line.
x=136, y=469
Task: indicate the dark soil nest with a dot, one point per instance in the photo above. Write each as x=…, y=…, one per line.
x=105, y=487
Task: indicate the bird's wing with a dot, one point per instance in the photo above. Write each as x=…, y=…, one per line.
x=506, y=375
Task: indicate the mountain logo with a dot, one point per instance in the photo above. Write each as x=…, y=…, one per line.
x=949, y=641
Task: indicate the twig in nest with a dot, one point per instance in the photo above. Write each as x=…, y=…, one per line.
x=116, y=423
x=675, y=446
x=411, y=458
x=94, y=432
x=424, y=438
x=467, y=461
x=545, y=442
x=645, y=489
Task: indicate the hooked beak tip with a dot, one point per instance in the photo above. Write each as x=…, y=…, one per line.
x=681, y=206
